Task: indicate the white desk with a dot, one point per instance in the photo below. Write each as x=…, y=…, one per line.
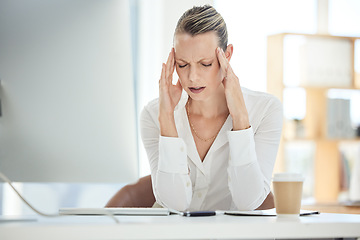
x=178, y=227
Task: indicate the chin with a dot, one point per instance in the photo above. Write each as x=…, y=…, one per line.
x=198, y=97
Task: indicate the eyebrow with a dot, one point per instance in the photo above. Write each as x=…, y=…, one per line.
x=202, y=59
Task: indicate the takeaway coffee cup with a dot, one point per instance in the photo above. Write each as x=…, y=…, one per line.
x=288, y=193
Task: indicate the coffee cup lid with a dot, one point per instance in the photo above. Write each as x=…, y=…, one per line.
x=288, y=177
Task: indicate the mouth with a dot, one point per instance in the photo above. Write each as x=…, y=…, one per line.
x=196, y=89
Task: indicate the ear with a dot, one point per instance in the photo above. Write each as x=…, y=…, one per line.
x=229, y=52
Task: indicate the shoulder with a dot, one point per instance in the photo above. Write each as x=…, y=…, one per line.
x=260, y=100
x=152, y=106
x=150, y=112
x=262, y=108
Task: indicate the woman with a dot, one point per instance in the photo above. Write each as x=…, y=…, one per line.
x=213, y=147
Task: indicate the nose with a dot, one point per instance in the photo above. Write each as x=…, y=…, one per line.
x=193, y=74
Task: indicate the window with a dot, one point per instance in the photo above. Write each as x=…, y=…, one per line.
x=344, y=17
x=250, y=22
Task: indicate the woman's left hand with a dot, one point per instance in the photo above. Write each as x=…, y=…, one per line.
x=234, y=98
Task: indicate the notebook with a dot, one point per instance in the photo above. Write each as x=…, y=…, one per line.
x=269, y=213
x=117, y=211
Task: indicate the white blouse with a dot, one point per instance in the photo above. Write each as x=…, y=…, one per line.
x=236, y=171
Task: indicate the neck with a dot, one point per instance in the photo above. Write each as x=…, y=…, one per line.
x=210, y=108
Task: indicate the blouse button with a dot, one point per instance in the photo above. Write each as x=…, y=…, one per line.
x=199, y=195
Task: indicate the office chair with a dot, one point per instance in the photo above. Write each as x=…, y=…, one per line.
x=140, y=194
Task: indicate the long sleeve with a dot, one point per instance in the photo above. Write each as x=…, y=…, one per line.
x=252, y=157
x=168, y=163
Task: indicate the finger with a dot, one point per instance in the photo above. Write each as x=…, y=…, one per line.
x=222, y=59
x=225, y=59
x=178, y=84
x=172, y=62
x=162, y=76
x=229, y=69
x=169, y=58
x=169, y=66
x=173, y=59
x=174, y=56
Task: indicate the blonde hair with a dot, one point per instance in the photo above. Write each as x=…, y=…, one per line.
x=203, y=19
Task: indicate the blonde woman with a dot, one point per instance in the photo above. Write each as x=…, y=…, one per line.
x=211, y=143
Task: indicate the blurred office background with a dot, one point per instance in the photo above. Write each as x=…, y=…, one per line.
x=151, y=27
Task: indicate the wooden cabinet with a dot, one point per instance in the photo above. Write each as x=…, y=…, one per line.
x=316, y=64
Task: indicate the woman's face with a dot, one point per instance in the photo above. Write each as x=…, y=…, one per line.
x=197, y=64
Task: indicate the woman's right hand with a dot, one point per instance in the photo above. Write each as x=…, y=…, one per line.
x=169, y=94
x=169, y=97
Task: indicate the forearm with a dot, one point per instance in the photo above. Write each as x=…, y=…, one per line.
x=247, y=186
x=240, y=122
x=173, y=188
x=239, y=113
x=247, y=183
x=167, y=125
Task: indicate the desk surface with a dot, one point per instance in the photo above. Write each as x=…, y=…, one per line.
x=325, y=225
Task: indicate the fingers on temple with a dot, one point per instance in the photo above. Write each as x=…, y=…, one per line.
x=225, y=65
x=168, y=59
x=178, y=83
x=222, y=59
x=162, y=76
x=173, y=60
x=170, y=65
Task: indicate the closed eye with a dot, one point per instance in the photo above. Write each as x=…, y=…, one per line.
x=182, y=66
x=207, y=65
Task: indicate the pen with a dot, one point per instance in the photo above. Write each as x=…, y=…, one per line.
x=199, y=214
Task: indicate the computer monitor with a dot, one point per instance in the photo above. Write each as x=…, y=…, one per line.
x=67, y=92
